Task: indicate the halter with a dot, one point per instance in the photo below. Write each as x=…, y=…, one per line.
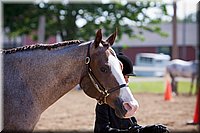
x=99, y=87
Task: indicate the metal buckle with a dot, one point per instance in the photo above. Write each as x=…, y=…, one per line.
x=103, y=100
x=87, y=60
x=100, y=102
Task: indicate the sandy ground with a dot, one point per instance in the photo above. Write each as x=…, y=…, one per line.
x=76, y=111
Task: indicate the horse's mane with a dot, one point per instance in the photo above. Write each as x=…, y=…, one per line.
x=41, y=46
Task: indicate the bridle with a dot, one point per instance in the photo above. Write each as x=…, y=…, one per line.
x=99, y=87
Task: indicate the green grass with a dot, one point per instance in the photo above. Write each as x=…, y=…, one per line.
x=158, y=87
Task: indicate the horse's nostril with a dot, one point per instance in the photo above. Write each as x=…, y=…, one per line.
x=130, y=108
x=127, y=106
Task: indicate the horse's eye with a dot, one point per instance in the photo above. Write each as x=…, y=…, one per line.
x=104, y=69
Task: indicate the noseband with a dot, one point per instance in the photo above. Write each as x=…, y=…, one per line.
x=99, y=87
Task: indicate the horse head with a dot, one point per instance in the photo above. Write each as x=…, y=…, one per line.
x=104, y=80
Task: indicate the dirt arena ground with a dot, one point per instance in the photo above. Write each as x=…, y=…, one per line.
x=76, y=112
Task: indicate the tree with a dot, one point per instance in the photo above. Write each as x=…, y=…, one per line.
x=80, y=21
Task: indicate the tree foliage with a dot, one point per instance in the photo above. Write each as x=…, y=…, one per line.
x=80, y=21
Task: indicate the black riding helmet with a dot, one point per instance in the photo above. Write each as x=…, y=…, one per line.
x=127, y=65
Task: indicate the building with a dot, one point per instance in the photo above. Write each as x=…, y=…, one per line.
x=154, y=43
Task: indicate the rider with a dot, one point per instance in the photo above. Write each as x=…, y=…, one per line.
x=106, y=120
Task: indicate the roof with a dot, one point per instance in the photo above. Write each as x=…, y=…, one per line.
x=187, y=36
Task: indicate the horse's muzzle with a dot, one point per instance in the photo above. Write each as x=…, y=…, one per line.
x=125, y=109
x=131, y=108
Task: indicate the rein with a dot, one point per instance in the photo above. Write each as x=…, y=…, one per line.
x=99, y=87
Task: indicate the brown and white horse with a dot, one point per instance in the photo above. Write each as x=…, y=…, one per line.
x=36, y=76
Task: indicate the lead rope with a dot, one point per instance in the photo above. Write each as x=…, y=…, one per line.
x=131, y=122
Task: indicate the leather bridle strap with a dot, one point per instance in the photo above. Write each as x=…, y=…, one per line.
x=93, y=78
x=104, y=92
x=116, y=88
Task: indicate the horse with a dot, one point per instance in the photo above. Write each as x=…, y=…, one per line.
x=36, y=76
x=181, y=68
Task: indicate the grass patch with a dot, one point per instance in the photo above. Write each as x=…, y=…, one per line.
x=158, y=87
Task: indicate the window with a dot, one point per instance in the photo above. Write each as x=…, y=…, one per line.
x=146, y=60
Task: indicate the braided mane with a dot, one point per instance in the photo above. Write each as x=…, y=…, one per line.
x=41, y=46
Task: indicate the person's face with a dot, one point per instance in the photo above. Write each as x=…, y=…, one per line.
x=126, y=77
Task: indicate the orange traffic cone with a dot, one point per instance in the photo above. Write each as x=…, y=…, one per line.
x=168, y=91
x=196, y=112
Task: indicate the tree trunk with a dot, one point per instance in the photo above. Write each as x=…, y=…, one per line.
x=175, y=51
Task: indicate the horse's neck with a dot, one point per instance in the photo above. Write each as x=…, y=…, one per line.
x=69, y=69
x=56, y=72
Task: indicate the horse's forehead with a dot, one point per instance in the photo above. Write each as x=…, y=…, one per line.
x=105, y=52
x=111, y=52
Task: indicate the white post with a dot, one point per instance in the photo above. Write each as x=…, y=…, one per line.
x=41, y=29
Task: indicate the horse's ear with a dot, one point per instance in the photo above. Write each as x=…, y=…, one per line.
x=111, y=38
x=98, y=38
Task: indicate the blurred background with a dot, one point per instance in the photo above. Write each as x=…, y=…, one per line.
x=144, y=26
x=151, y=33
x=161, y=27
